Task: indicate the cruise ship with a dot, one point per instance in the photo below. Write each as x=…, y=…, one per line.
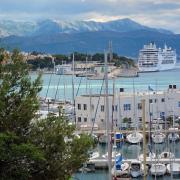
x=152, y=58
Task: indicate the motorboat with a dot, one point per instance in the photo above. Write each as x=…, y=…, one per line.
x=173, y=168
x=158, y=169
x=136, y=169
x=158, y=137
x=134, y=138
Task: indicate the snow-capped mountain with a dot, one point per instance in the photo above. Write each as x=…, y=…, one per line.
x=33, y=28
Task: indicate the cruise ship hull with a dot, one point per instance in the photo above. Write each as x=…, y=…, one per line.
x=153, y=59
x=158, y=68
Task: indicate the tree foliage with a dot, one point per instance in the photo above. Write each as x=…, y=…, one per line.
x=46, y=62
x=31, y=148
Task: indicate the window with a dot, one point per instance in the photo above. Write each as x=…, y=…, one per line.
x=79, y=119
x=115, y=108
x=162, y=114
x=163, y=100
x=79, y=106
x=140, y=119
x=92, y=119
x=85, y=106
x=85, y=119
x=155, y=100
x=179, y=104
x=127, y=107
x=150, y=101
x=102, y=120
x=139, y=105
x=102, y=108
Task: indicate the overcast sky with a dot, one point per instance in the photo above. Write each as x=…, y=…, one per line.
x=154, y=13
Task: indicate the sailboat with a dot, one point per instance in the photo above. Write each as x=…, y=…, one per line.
x=158, y=169
x=173, y=136
x=158, y=137
x=136, y=169
x=135, y=137
x=120, y=168
x=173, y=168
x=166, y=155
x=149, y=156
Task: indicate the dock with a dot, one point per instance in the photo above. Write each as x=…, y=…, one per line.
x=102, y=163
x=101, y=132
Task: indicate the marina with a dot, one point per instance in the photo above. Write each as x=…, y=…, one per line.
x=129, y=151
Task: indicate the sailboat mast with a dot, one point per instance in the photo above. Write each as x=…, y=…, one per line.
x=107, y=118
x=144, y=136
x=73, y=99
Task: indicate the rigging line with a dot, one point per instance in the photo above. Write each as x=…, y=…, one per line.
x=79, y=86
x=57, y=88
x=97, y=105
x=49, y=85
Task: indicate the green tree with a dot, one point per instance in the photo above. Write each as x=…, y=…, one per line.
x=64, y=150
x=31, y=148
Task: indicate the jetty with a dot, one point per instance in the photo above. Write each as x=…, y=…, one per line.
x=102, y=163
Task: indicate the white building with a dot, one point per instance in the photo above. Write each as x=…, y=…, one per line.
x=127, y=105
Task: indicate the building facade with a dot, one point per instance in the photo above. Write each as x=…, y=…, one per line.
x=90, y=109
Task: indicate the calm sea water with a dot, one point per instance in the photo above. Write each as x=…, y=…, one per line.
x=63, y=84
x=61, y=88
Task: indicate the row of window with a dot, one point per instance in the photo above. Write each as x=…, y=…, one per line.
x=80, y=119
x=162, y=115
x=126, y=107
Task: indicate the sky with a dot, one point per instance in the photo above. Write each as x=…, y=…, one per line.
x=153, y=13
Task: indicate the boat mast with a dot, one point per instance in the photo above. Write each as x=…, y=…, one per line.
x=144, y=137
x=108, y=122
x=73, y=100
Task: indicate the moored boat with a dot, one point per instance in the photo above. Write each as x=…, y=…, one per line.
x=136, y=169
x=158, y=169
x=134, y=138
x=173, y=168
x=158, y=137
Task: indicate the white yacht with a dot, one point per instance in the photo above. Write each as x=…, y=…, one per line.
x=152, y=58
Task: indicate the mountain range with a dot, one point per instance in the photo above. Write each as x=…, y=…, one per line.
x=53, y=36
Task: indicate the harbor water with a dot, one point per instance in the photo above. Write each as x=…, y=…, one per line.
x=53, y=82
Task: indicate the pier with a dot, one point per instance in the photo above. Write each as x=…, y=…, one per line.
x=102, y=163
x=101, y=132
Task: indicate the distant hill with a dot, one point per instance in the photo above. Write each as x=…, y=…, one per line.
x=84, y=36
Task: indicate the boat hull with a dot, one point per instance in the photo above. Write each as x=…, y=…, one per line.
x=158, y=169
